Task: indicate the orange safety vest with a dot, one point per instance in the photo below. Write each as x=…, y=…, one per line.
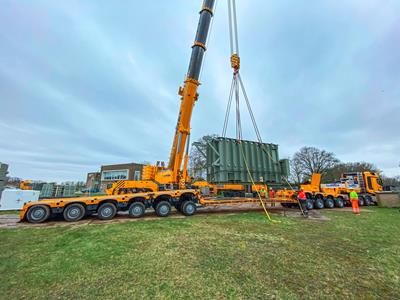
x=271, y=194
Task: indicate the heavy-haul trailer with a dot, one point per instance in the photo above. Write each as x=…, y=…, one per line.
x=106, y=207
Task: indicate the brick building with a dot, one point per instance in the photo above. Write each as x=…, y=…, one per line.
x=111, y=173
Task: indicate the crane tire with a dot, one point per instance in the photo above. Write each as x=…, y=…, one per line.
x=329, y=203
x=74, y=212
x=38, y=214
x=339, y=202
x=106, y=211
x=310, y=204
x=137, y=210
x=319, y=203
x=163, y=209
x=188, y=208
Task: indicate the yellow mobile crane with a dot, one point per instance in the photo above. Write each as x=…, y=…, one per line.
x=160, y=186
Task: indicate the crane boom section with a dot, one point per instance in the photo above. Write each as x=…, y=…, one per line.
x=189, y=91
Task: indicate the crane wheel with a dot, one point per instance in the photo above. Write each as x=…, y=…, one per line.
x=163, y=209
x=38, y=214
x=329, y=203
x=137, y=210
x=310, y=204
x=74, y=212
x=339, y=202
x=188, y=208
x=106, y=211
x=367, y=201
x=319, y=203
x=361, y=201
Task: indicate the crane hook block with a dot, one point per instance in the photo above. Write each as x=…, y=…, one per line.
x=235, y=62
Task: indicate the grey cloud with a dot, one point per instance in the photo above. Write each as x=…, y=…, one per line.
x=88, y=83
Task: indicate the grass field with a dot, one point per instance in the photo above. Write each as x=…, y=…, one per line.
x=214, y=256
x=7, y=212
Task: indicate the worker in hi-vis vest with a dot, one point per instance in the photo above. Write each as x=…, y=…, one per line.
x=354, y=202
x=262, y=193
x=271, y=196
x=302, y=198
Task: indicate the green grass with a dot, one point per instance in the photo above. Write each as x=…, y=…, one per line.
x=9, y=212
x=217, y=256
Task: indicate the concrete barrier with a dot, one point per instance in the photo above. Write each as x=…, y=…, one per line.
x=388, y=199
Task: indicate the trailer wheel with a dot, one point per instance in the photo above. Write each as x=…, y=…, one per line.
x=372, y=201
x=74, y=212
x=339, y=202
x=361, y=201
x=329, y=203
x=137, y=210
x=188, y=208
x=163, y=209
x=367, y=200
x=106, y=211
x=310, y=204
x=319, y=203
x=38, y=214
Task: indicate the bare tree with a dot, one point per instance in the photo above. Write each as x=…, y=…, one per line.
x=296, y=172
x=313, y=160
x=197, y=157
x=391, y=182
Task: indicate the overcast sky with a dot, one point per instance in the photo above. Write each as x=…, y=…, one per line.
x=86, y=83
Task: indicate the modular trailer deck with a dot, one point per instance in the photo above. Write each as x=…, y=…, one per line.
x=106, y=207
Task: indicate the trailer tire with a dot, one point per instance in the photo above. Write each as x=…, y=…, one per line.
x=188, y=208
x=38, y=214
x=74, y=212
x=319, y=203
x=339, y=202
x=329, y=203
x=310, y=204
x=367, y=200
x=163, y=209
x=137, y=210
x=361, y=201
x=106, y=211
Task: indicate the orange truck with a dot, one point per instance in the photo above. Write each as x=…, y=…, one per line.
x=330, y=195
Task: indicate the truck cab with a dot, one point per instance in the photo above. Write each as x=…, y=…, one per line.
x=368, y=182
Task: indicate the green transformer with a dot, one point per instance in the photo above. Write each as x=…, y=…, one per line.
x=227, y=158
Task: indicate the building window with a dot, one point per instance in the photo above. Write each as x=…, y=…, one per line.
x=136, y=175
x=115, y=175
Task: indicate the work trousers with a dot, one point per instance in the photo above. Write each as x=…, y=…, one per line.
x=303, y=203
x=354, y=205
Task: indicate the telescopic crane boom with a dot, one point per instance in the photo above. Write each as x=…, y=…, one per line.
x=175, y=175
x=188, y=93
